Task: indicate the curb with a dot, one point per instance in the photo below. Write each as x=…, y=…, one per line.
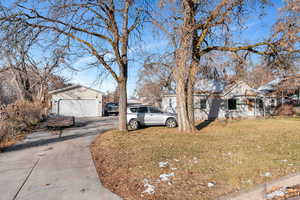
x=259, y=192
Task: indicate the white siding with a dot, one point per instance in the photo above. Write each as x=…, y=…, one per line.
x=78, y=107
x=217, y=105
x=78, y=102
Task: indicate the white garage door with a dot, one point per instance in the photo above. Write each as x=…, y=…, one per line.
x=78, y=107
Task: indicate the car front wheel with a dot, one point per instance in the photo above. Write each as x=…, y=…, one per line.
x=134, y=124
x=171, y=123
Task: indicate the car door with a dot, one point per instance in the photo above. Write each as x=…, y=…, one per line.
x=156, y=117
x=143, y=115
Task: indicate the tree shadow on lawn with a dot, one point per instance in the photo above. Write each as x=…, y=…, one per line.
x=199, y=126
x=204, y=124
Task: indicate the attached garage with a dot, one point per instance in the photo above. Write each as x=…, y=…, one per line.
x=77, y=101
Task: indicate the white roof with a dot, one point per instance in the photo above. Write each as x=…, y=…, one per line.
x=245, y=89
x=134, y=101
x=210, y=86
x=71, y=88
x=271, y=86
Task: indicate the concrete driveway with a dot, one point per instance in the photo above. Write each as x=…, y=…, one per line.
x=47, y=166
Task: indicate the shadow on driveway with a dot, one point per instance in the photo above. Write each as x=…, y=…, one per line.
x=26, y=145
x=82, y=128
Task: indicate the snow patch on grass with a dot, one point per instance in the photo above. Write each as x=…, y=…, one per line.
x=277, y=193
x=210, y=184
x=267, y=174
x=166, y=177
x=163, y=164
x=150, y=189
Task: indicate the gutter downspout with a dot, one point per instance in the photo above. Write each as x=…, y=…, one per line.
x=264, y=106
x=58, y=106
x=255, y=106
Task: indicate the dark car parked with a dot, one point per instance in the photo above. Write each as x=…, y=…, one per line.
x=111, y=109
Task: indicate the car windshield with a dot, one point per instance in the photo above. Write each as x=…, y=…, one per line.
x=112, y=104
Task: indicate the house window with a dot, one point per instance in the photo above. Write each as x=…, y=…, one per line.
x=232, y=104
x=202, y=103
x=272, y=102
x=170, y=102
x=260, y=103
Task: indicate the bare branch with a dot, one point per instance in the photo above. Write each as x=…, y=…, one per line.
x=240, y=48
x=39, y=16
x=89, y=45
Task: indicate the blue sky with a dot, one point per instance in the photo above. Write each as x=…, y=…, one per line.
x=259, y=27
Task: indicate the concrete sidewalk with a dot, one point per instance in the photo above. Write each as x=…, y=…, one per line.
x=259, y=192
x=52, y=167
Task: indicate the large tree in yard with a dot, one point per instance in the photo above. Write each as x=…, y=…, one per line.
x=201, y=27
x=99, y=28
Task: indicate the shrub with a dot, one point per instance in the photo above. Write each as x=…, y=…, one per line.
x=7, y=132
x=18, y=118
x=285, y=110
x=297, y=110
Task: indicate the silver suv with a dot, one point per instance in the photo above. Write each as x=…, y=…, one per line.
x=148, y=115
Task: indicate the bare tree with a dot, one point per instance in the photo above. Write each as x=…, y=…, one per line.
x=111, y=96
x=259, y=75
x=155, y=77
x=8, y=92
x=101, y=27
x=33, y=75
x=201, y=27
x=15, y=57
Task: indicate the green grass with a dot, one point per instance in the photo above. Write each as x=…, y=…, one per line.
x=234, y=155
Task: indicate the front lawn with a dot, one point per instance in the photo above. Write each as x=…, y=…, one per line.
x=223, y=157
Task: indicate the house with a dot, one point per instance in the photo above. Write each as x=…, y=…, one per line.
x=284, y=89
x=134, y=102
x=77, y=101
x=214, y=99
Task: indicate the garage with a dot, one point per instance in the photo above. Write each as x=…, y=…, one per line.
x=77, y=101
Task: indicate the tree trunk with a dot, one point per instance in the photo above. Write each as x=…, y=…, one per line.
x=184, y=123
x=123, y=104
x=190, y=101
x=185, y=105
x=23, y=86
x=183, y=58
x=190, y=91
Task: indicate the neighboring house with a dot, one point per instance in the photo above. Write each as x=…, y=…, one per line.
x=77, y=101
x=134, y=102
x=218, y=100
x=284, y=90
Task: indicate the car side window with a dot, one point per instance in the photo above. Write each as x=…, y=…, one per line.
x=142, y=110
x=134, y=110
x=154, y=110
